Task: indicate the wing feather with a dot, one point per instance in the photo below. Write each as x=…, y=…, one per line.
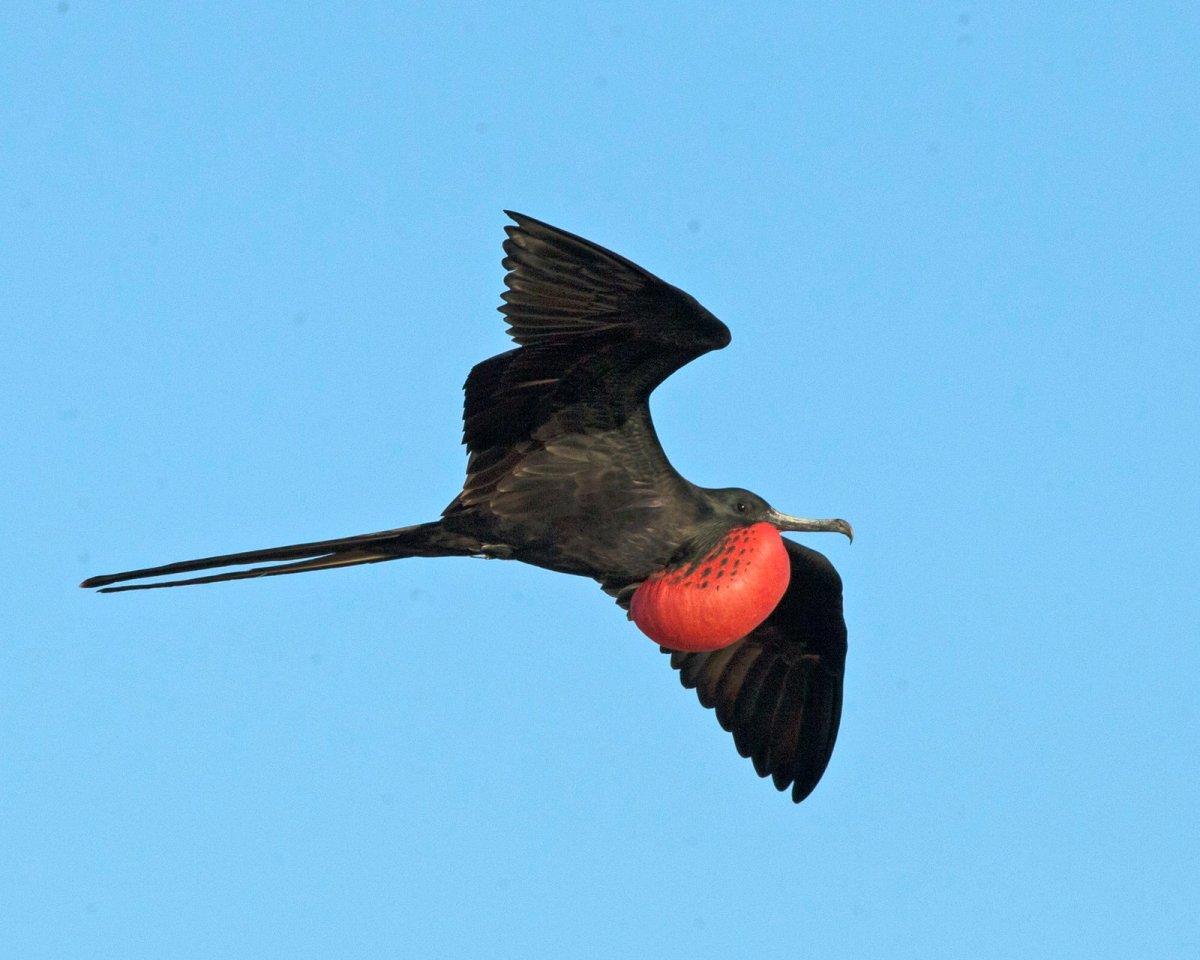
x=591, y=326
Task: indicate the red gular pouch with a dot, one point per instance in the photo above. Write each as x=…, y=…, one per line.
x=716, y=601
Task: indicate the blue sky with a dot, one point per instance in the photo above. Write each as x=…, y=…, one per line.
x=249, y=252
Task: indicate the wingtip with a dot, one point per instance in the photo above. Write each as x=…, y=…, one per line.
x=802, y=789
x=527, y=224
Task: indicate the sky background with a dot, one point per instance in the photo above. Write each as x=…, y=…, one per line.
x=248, y=253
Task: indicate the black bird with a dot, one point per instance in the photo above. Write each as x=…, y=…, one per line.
x=565, y=471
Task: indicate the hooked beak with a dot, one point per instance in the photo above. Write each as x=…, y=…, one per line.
x=783, y=522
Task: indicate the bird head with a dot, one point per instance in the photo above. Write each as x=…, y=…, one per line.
x=742, y=508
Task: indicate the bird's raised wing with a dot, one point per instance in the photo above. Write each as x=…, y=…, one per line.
x=595, y=331
x=597, y=334
x=779, y=689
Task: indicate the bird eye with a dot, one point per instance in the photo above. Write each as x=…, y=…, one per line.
x=741, y=507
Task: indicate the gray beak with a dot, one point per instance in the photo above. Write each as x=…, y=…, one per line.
x=801, y=525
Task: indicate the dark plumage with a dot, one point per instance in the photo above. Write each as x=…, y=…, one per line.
x=565, y=471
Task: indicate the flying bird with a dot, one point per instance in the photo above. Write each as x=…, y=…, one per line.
x=565, y=471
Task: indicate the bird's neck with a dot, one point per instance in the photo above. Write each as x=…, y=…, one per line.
x=701, y=546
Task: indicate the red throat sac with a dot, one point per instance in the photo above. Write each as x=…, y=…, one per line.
x=720, y=599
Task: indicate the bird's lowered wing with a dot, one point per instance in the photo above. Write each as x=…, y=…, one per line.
x=779, y=689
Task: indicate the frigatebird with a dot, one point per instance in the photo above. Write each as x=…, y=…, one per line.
x=565, y=471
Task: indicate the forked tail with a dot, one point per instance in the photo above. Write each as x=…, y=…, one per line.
x=421, y=540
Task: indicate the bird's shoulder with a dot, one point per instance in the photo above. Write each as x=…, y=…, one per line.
x=573, y=466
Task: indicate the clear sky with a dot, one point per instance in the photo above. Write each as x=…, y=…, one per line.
x=248, y=253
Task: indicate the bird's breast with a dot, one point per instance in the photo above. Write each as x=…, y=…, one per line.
x=716, y=601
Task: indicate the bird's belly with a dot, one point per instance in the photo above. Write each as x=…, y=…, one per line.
x=718, y=600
